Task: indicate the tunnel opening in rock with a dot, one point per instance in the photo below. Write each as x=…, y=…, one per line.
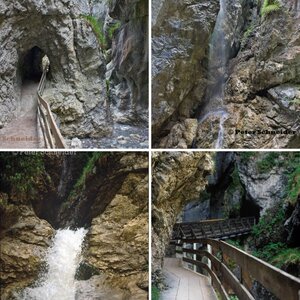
x=250, y=209
x=31, y=66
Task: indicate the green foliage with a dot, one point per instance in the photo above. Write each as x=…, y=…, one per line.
x=247, y=33
x=270, y=6
x=112, y=29
x=107, y=87
x=79, y=185
x=232, y=210
x=246, y=156
x=294, y=185
x=233, y=297
x=97, y=29
x=285, y=257
x=268, y=252
x=267, y=163
x=269, y=223
x=155, y=293
x=20, y=172
x=235, y=243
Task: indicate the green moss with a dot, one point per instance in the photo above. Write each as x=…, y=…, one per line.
x=285, y=257
x=79, y=185
x=233, y=211
x=269, y=161
x=155, y=293
x=247, y=33
x=112, y=29
x=269, y=251
x=294, y=185
x=97, y=28
x=269, y=225
x=246, y=156
x=270, y=6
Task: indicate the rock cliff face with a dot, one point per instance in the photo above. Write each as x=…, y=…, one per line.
x=180, y=38
x=78, y=88
x=105, y=193
x=261, y=77
x=77, y=66
x=178, y=178
x=24, y=240
x=263, y=87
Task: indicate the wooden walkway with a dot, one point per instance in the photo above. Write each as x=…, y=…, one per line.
x=220, y=229
x=22, y=132
x=184, y=284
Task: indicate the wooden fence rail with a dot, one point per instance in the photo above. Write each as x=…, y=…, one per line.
x=51, y=133
x=216, y=262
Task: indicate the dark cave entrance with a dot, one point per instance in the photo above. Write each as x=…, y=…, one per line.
x=249, y=209
x=31, y=66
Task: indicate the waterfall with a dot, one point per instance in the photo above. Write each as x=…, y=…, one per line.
x=218, y=60
x=62, y=260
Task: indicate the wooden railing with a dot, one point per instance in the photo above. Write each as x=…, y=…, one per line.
x=218, y=259
x=219, y=228
x=51, y=133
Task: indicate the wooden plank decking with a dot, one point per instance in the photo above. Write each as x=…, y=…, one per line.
x=185, y=284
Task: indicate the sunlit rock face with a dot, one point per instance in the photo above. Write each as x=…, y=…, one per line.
x=178, y=178
x=24, y=244
x=76, y=87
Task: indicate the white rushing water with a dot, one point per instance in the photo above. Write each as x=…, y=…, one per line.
x=62, y=259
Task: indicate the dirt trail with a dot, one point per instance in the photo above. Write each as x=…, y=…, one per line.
x=22, y=131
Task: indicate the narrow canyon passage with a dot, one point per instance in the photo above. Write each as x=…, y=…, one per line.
x=62, y=261
x=22, y=132
x=214, y=108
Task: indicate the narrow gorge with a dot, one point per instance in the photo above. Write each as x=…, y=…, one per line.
x=97, y=82
x=225, y=74
x=74, y=226
x=190, y=188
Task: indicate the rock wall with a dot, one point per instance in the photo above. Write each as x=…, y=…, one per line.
x=76, y=86
x=180, y=37
x=130, y=49
x=262, y=76
x=107, y=193
x=24, y=239
x=263, y=88
x=178, y=178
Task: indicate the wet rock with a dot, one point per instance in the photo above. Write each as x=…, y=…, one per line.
x=117, y=242
x=23, y=248
x=76, y=143
x=181, y=33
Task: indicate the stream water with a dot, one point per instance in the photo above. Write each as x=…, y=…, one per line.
x=218, y=59
x=63, y=258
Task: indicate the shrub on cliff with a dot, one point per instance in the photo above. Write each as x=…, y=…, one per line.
x=270, y=6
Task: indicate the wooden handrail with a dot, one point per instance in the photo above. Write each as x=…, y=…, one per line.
x=279, y=283
x=51, y=133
